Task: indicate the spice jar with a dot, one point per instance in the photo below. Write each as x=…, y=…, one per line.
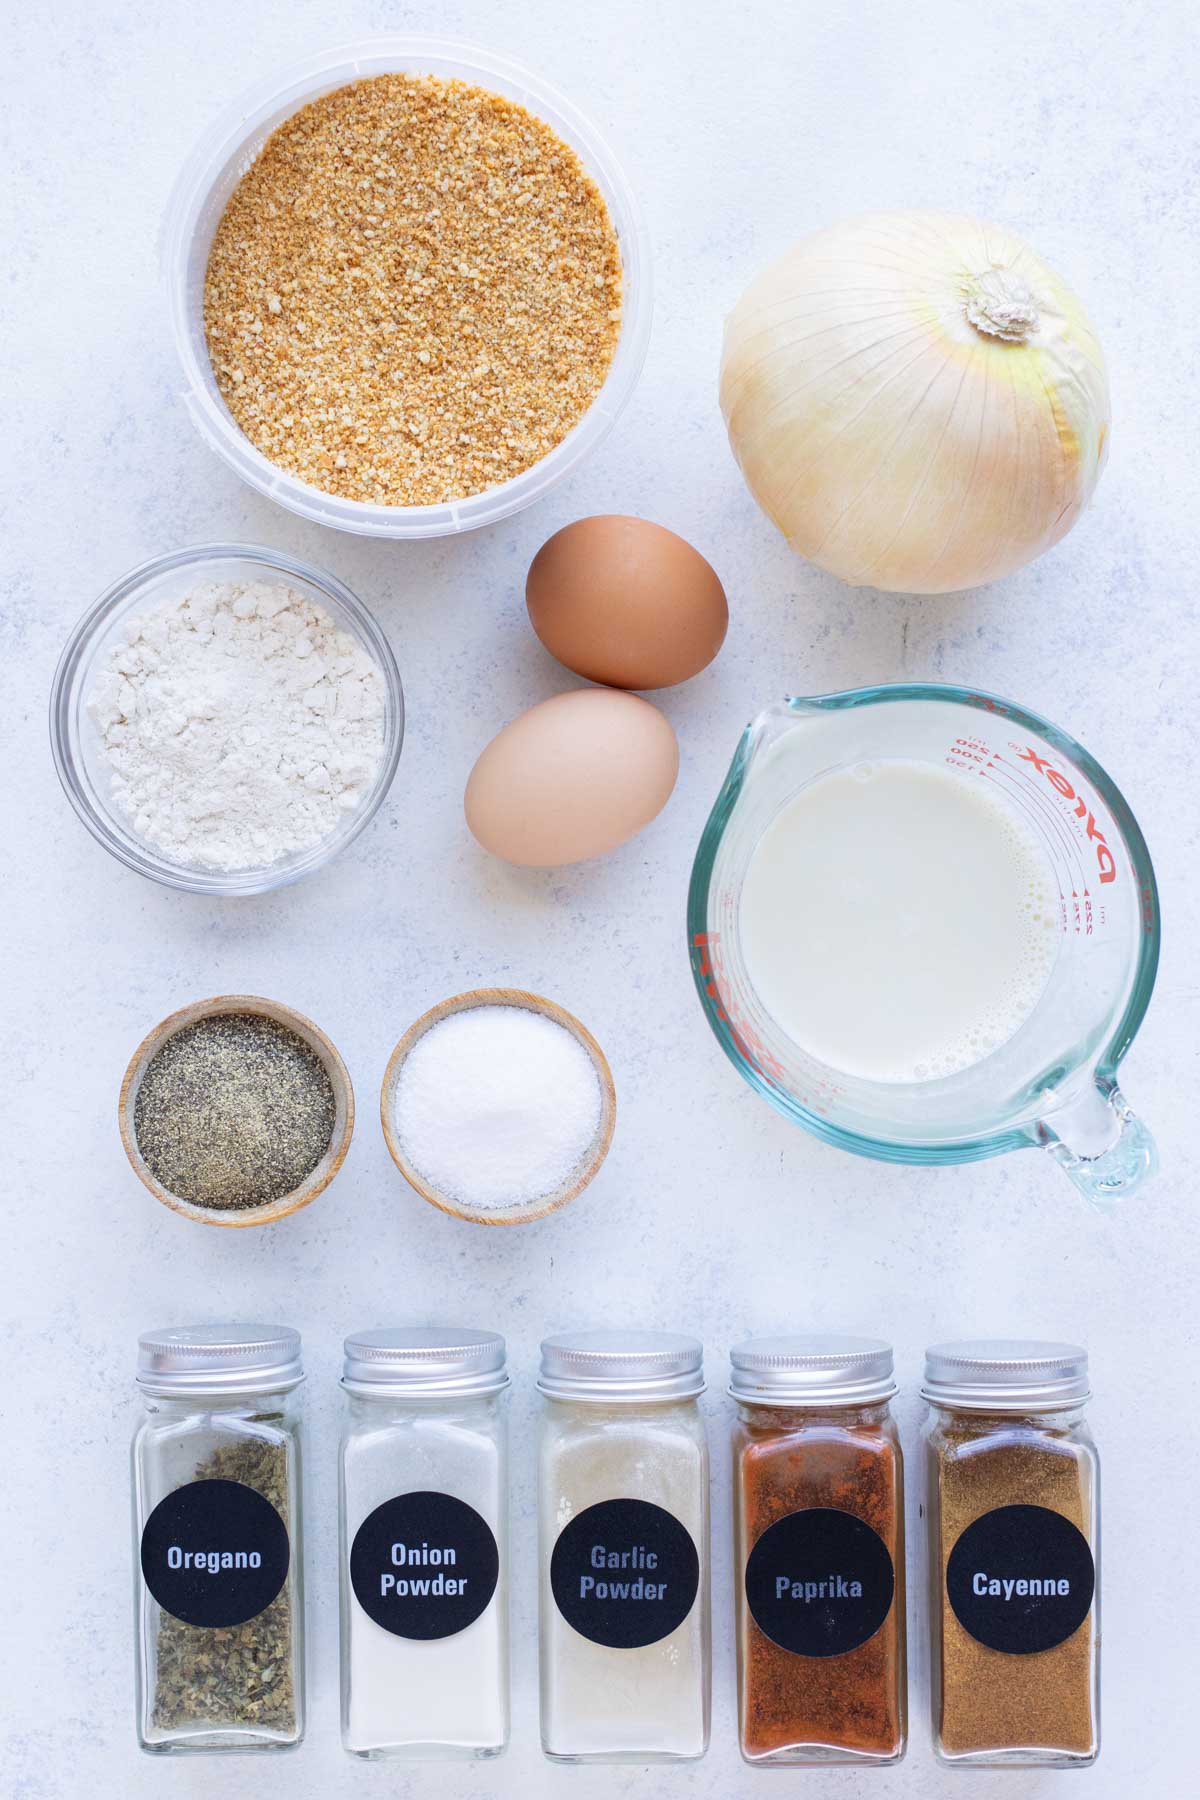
x=1012, y=1484
x=624, y=1588
x=819, y=1557
x=218, y=1591
x=424, y=1554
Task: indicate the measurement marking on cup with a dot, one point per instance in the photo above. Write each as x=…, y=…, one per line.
x=1105, y=859
x=974, y=750
x=1023, y=790
x=1058, y=827
x=1077, y=912
x=1062, y=843
x=745, y=1036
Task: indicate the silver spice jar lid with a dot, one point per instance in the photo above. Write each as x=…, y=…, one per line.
x=621, y=1367
x=219, y=1359
x=820, y=1370
x=424, y=1361
x=1006, y=1375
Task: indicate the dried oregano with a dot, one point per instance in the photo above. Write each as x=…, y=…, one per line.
x=233, y=1675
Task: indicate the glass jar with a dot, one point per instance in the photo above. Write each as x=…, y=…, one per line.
x=624, y=1585
x=1012, y=1501
x=819, y=1531
x=424, y=1544
x=217, y=1556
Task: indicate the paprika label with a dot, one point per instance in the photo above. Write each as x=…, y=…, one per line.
x=820, y=1582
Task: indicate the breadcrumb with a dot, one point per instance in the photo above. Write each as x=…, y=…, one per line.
x=414, y=293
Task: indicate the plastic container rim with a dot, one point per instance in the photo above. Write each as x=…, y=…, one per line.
x=305, y=80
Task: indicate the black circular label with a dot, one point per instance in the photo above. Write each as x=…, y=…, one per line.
x=214, y=1553
x=820, y=1582
x=424, y=1565
x=625, y=1573
x=1021, y=1579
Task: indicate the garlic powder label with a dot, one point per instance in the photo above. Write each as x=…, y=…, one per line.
x=625, y=1573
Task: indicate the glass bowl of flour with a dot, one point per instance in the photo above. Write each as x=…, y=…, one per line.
x=226, y=718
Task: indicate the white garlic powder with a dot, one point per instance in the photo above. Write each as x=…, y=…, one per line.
x=239, y=724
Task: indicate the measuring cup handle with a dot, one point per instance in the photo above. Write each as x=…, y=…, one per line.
x=1116, y=1153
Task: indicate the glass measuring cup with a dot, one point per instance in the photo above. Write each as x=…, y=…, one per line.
x=1053, y=1083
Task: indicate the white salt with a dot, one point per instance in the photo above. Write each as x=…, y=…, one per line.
x=497, y=1106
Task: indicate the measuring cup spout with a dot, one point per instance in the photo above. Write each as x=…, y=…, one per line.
x=769, y=726
x=763, y=740
x=1103, y=1146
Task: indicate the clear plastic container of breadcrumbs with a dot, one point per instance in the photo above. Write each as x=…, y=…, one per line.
x=230, y=148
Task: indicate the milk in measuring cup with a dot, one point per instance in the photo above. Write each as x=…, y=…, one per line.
x=899, y=920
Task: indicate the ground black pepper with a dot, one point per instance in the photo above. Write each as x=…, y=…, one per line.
x=235, y=1110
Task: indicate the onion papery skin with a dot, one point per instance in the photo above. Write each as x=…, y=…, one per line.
x=917, y=401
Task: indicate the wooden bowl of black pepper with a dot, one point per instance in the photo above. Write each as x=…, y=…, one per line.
x=236, y=1111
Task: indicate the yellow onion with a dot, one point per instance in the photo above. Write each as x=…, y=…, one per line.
x=916, y=400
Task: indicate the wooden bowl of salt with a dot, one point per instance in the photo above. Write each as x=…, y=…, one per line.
x=498, y=1106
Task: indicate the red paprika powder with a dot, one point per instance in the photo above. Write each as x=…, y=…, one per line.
x=818, y=1503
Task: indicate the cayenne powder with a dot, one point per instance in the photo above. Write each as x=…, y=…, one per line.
x=819, y=1505
x=1013, y=1486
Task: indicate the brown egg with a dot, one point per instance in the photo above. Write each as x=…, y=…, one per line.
x=572, y=778
x=625, y=602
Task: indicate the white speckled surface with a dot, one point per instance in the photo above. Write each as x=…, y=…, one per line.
x=741, y=127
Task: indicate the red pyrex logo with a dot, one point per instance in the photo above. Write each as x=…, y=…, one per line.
x=1060, y=784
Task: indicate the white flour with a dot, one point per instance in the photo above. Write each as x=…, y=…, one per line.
x=239, y=724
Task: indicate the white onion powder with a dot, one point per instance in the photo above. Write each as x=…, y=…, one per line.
x=497, y=1106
